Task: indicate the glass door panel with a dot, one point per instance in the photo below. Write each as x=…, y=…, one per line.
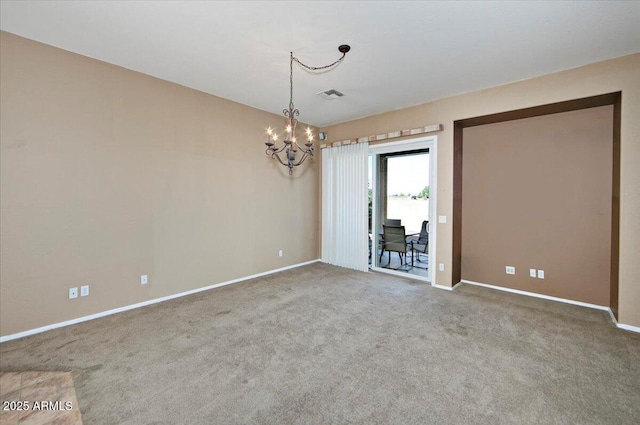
x=400, y=211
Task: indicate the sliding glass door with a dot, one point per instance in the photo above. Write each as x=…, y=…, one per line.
x=401, y=188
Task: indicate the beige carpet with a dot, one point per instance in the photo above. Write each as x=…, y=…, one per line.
x=324, y=345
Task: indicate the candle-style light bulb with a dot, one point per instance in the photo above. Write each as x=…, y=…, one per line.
x=274, y=137
x=288, y=129
x=269, y=131
x=293, y=139
x=308, y=131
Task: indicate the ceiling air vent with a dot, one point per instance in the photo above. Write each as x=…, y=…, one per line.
x=330, y=94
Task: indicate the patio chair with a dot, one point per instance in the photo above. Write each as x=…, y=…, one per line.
x=394, y=240
x=389, y=222
x=421, y=245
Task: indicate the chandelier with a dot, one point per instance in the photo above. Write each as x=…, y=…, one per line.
x=293, y=153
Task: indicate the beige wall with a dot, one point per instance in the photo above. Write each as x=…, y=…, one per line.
x=622, y=74
x=537, y=194
x=108, y=174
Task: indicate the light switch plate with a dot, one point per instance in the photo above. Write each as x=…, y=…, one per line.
x=441, y=267
x=510, y=270
x=73, y=293
x=84, y=290
x=442, y=219
x=532, y=272
x=540, y=274
x=144, y=279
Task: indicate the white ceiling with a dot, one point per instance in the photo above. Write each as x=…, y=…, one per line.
x=403, y=53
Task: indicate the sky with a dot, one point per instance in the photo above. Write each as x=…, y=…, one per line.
x=407, y=174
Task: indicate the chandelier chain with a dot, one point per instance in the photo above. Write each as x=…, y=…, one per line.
x=310, y=68
x=291, y=83
x=318, y=68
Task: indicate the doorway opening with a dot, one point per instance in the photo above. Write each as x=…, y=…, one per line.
x=401, y=207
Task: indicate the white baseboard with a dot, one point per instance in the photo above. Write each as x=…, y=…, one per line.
x=145, y=303
x=536, y=295
x=446, y=288
x=562, y=300
x=628, y=327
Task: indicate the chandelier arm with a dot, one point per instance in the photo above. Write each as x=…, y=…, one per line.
x=305, y=156
x=273, y=150
x=280, y=149
x=301, y=160
x=305, y=150
x=277, y=156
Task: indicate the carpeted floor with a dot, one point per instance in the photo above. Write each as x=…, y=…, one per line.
x=325, y=345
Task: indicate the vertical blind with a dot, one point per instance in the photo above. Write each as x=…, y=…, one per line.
x=345, y=236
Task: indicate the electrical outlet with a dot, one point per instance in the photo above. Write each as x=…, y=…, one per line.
x=540, y=274
x=441, y=267
x=84, y=291
x=144, y=279
x=532, y=272
x=73, y=293
x=280, y=253
x=510, y=270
